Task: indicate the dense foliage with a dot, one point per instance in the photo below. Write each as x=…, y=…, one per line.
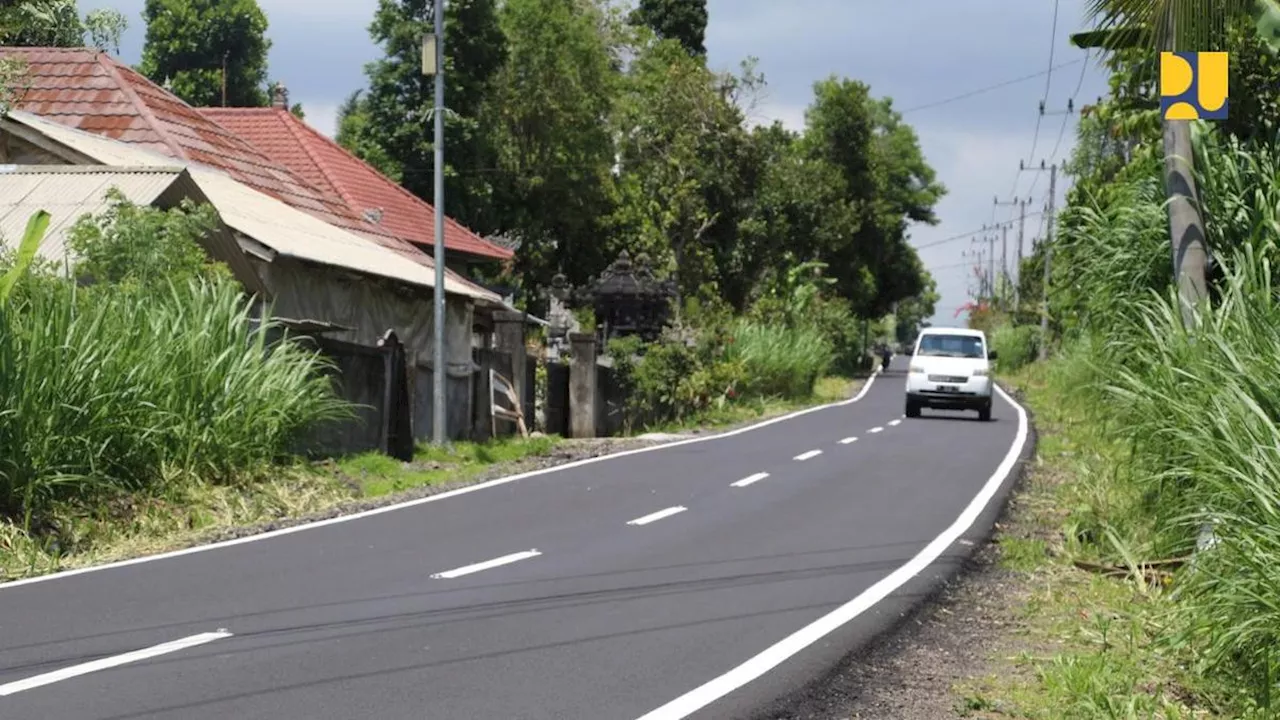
x=582, y=127
x=156, y=374
x=1194, y=404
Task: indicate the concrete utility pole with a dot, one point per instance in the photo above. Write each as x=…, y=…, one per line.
x=1048, y=257
x=1004, y=257
x=433, y=64
x=1022, y=222
x=991, y=266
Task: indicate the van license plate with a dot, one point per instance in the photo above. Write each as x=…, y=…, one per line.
x=948, y=388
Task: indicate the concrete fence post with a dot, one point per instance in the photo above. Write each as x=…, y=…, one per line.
x=582, y=385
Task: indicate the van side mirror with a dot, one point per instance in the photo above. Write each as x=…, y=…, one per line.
x=991, y=354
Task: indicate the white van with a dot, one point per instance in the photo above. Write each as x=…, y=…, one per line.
x=950, y=370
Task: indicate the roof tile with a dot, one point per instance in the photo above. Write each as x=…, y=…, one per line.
x=92, y=91
x=345, y=178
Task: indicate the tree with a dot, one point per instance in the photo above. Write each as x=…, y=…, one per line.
x=105, y=27
x=355, y=135
x=674, y=122
x=196, y=45
x=554, y=185
x=684, y=21
x=40, y=23
x=394, y=116
x=1166, y=25
x=885, y=178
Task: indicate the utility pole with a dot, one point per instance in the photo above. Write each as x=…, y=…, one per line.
x=433, y=64
x=1048, y=257
x=1004, y=257
x=1022, y=223
x=991, y=266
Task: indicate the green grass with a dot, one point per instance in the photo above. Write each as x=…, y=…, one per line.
x=1086, y=645
x=827, y=389
x=376, y=475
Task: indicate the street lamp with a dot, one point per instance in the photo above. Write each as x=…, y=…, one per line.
x=433, y=65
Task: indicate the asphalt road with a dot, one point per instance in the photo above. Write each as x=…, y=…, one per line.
x=670, y=583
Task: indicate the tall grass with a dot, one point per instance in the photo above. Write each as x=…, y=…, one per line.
x=778, y=360
x=1198, y=407
x=105, y=391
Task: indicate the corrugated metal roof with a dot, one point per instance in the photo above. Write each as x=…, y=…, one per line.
x=271, y=222
x=300, y=235
x=67, y=194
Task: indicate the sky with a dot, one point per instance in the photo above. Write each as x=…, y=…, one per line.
x=928, y=55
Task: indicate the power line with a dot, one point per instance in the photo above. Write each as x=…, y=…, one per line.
x=969, y=234
x=988, y=88
x=1062, y=129
x=1048, y=83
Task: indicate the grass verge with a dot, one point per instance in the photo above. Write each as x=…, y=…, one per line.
x=185, y=513
x=1086, y=641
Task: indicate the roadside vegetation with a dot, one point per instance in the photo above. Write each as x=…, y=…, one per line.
x=1152, y=582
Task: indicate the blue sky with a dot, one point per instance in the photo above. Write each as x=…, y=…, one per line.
x=916, y=51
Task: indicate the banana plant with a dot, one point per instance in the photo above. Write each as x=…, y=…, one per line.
x=31, y=238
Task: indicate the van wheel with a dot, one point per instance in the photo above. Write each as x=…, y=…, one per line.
x=913, y=409
x=984, y=414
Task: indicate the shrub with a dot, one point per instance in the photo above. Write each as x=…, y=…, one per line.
x=779, y=361
x=1016, y=345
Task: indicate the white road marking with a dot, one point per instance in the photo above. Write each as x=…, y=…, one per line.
x=875, y=430
x=487, y=565
x=849, y=441
x=771, y=657
x=895, y=423
x=110, y=662
x=652, y=517
x=806, y=455
x=866, y=387
x=750, y=479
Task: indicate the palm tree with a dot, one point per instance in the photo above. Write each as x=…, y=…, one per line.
x=1168, y=25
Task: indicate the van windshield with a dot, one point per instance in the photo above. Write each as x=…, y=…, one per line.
x=960, y=346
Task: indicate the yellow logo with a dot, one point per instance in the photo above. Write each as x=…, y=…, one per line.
x=1193, y=86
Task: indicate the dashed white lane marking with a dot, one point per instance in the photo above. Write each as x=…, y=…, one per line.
x=110, y=662
x=849, y=441
x=895, y=423
x=876, y=430
x=774, y=655
x=806, y=455
x=486, y=565
x=653, y=517
x=750, y=479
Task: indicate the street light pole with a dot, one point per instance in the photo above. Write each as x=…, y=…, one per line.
x=439, y=369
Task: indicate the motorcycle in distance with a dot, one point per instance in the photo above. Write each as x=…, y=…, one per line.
x=886, y=354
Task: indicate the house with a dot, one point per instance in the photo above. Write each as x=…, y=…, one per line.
x=316, y=260
x=348, y=180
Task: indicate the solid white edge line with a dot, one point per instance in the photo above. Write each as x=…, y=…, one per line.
x=750, y=479
x=436, y=498
x=110, y=662
x=486, y=565
x=849, y=441
x=776, y=654
x=806, y=455
x=654, y=517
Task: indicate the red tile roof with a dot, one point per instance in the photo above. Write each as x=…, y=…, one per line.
x=330, y=167
x=92, y=91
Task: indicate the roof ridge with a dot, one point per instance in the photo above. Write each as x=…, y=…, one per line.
x=398, y=187
x=296, y=127
x=110, y=64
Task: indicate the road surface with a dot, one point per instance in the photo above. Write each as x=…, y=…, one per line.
x=706, y=579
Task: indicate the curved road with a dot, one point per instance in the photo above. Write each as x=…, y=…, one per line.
x=707, y=579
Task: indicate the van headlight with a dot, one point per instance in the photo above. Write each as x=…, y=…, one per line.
x=917, y=370
x=981, y=372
